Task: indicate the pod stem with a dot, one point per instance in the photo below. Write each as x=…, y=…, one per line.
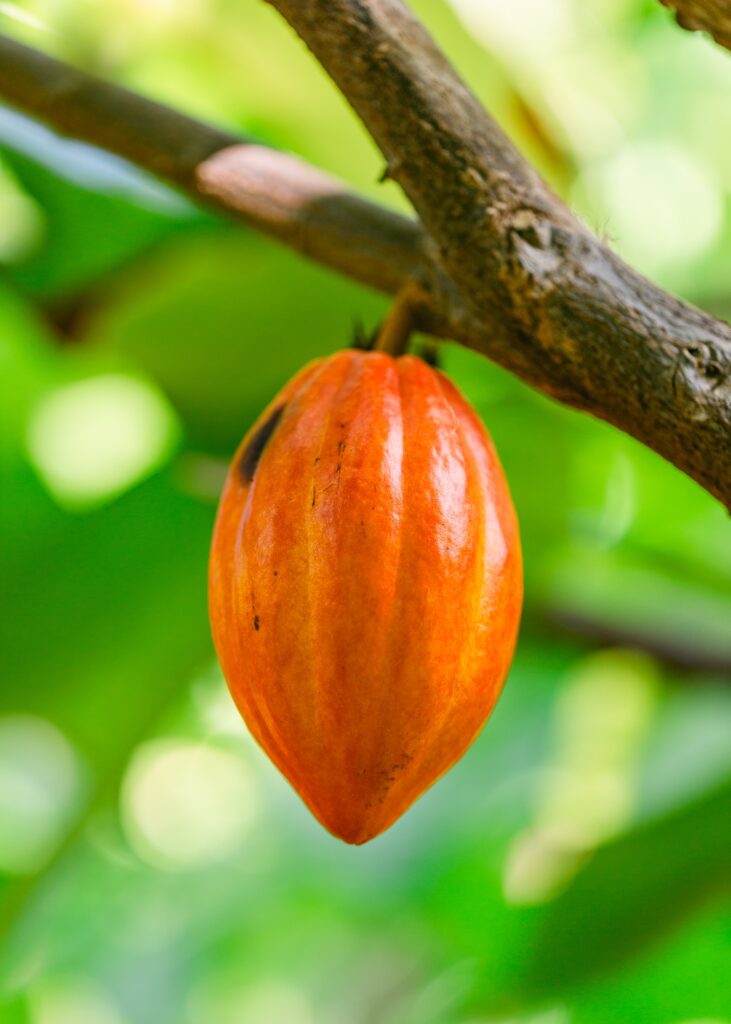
x=396, y=329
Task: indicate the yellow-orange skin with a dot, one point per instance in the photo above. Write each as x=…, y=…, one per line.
x=365, y=584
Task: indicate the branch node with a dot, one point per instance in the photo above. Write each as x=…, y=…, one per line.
x=390, y=171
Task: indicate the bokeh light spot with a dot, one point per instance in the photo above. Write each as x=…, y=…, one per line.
x=22, y=223
x=663, y=207
x=22, y=16
x=214, y=707
x=187, y=804
x=41, y=789
x=521, y=28
x=268, y=1001
x=587, y=792
x=93, y=438
x=74, y=1001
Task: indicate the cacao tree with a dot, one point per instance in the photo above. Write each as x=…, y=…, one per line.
x=174, y=251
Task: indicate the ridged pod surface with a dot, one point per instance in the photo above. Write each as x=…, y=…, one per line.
x=365, y=584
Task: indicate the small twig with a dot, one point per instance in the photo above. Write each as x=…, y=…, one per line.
x=397, y=328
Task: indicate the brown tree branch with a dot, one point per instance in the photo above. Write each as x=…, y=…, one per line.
x=547, y=300
x=272, y=191
x=712, y=16
x=566, y=313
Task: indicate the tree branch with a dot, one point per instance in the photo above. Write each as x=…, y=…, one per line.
x=712, y=16
x=534, y=290
x=272, y=191
x=567, y=314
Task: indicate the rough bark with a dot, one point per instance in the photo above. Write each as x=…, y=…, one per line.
x=566, y=313
x=525, y=283
x=712, y=16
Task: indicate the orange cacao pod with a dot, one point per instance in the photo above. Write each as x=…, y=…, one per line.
x=365, y=584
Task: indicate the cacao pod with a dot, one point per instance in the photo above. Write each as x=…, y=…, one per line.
x=365, y=584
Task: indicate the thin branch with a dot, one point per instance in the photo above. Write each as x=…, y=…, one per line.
x=712, y=16
x=547, y=300
x=679, y=650
x=400, y=323
x=272, y=191
x=567, y=314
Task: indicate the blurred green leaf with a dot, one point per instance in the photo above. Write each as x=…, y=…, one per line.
x=99, y=213
x=632, y=893
x=222, y=321
x=109, y=623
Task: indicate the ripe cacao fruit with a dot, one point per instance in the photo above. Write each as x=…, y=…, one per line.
x=365, y=584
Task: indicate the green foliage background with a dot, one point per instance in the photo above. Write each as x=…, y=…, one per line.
x=575, y=868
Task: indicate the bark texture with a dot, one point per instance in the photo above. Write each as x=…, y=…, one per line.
x=565, y=312
x=500, y=263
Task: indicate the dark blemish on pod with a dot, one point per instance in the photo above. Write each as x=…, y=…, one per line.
x=257, y=443
x=256, y=623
